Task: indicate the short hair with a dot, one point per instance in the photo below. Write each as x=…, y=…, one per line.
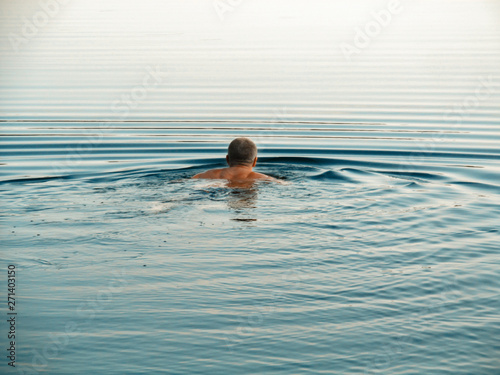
x=241, y=151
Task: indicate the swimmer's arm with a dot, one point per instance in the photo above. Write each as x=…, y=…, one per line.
x=277, y=180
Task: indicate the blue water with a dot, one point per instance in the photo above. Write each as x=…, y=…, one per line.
x=378, y=254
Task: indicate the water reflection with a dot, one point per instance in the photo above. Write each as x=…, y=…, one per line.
x=242, y=201
x=239, y=196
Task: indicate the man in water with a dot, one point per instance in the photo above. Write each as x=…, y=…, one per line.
x=241, y=158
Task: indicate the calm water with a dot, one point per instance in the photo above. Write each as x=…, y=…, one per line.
x=379, y=253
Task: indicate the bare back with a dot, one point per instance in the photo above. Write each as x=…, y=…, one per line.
x=233, y=173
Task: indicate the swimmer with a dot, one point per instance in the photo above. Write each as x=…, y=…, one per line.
x=241, y=158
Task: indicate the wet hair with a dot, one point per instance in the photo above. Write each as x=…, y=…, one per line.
x=241, y=151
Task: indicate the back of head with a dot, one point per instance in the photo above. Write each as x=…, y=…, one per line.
x=241, y=151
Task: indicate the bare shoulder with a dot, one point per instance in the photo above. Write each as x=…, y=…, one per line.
x=261, y=176
x=213, y=173
x=264, y=177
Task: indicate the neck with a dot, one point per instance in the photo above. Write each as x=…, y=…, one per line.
x=242, y=167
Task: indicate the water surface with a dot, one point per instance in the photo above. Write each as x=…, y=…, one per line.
x=379, y=253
